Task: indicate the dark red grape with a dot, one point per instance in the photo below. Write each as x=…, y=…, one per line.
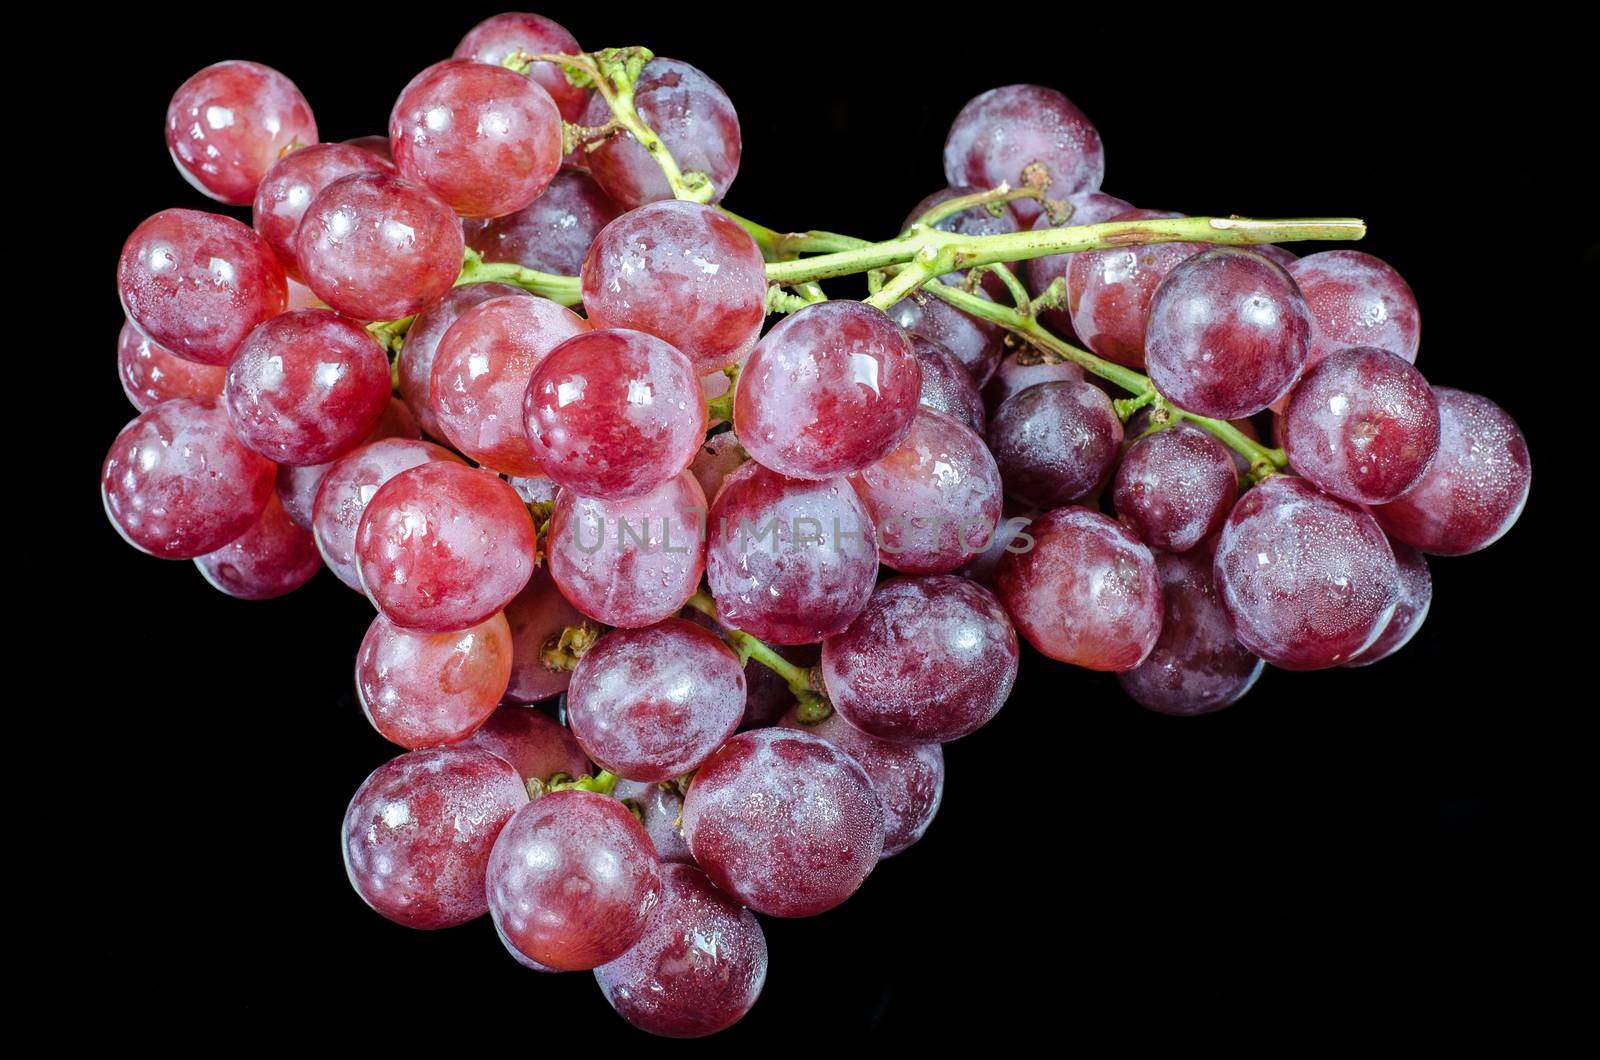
x=1025, y=135
x=494, y=39
x=1018, y=371
x=290, y=185
x=537, y=617
x=784, y=822
x=1175, y=487
x=428, y=689
x=151, y=373
x=1090, y=208
x=230, y=122
x=422, y=343
x=694, y=119
x=553, y=233
x=536, y=745
x=349, y=484
x=1416, y=594
x=946, y=386
x=977, y=344
x=1109, y=291
x=270, y=559
x=1055, y=442
x=1011, y=535
x=1357, y=300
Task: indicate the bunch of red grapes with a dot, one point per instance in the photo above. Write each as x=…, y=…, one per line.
x=534, y=498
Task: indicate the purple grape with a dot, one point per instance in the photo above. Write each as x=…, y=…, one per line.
x=1055, y=442
x=946, y=386
x=1416, y=594
x=1025, y=135
x=1174, y=488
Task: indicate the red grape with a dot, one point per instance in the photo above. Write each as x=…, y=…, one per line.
x=537, y=617
x=197, y=283
x=178, y=483
x=482, y=138
x=481, y=370
x=1090, y=208
x=908, y=777
x=614, y=413
x=716, y=460
x=935, y=500
x=572, y=880
x=518, y=956
x=1416, y=594
x=347, y=488
x=1197, y=665
x=1228, y=333
x=629, y=562
x=1086, y=593
x=230, y=122
x=766, y=695
x=1362, y=424
x=682, y=272
x=1357, y=300
x=1308, y=580
x=151, y=373
x=442, y=547
x=1011, y=534
x=1026, y=135
x=377, y=146
x=422, y=344
x=376, y=247
x=1477, y=486
x=427, y=689
x=419, y=830
x=946, y=386
x=1055, y=442
x=297, y=486
x=306, y=387
x=829, y=390
x=931, y=659
x=653, y=703
x=553, y=233
x=536, y=745
x=1025, y=368
x=699, y=966
x=493, y=39
x=1175, y=487
x=789, y=561
x=1109, y=291
x=694, y=119
x=784, y=822
x=270, y=559
x=977, y=344
x=658, y=807
x=293, y=182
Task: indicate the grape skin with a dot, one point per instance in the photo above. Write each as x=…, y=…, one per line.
x=784, y=822
x=977, y=344
x=1109, y=291
x=415, y=362
x=1018, y=132
x=1018, y=371
x=552, y=233
x=1090, y=208
x=150, y=373
x=230, y=122
x=1308, y=580
x=1477, y=485
x=536, y=615
x=976, y=221
x=1416, y=595
x=290, y=185
x=297, y=486
x=349, y=484
x=1357, y=300
x=717, y=459
x=272, y=558
x=418, y=832
x=536, y=745
x=946, y=386
x=659, y=806
x=494, y=39
x=1055, y=442
x=429, y=689
x=653, y=703
x=1174, y=488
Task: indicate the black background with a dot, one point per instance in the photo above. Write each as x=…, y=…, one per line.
x=1344, y=835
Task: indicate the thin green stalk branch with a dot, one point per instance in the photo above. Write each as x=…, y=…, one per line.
x=814, y=705
x=563, y=289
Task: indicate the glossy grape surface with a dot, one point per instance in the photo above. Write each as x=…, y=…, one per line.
x=290, y=185
x=1090, y=208
x=1175, y=487
x=1357, y=300
x=270, y=559
x=493, y=39
x=1416, y=596
x=946, y=386
x=976, y=343
x=1018, y=371
x=349, y=484
x=297, y=486
x=422, y=344
x=1025, y=135
x=151, y=373
x=429, y=689
x=230, y=122
x=536, y=745
x=1109, y=291
x=659, y=806
x=1055, y=442
x=553, y=233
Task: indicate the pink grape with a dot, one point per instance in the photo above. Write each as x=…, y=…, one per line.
x=716, y=460
x=572, y=880
x=614, y=413
x=415, y=363
x=1087, y=593
x=494, y=39
x=306, y=387
x=829, y=390
x=935, y=500
x=270, y=559
x=297, y=486
x=699, y=966
x=518, y=956
x=419, y=830
x=946, y=386
x=290, y=185
x=442, y=547
x=197, y=283
x=481, y=370
x=484, y=139
x=1018, y=371
x=930, y=659
x=1357, y=300
x=376, y=247
x=694, y=119
x=377, y=146
x=1363, y=425
x=1416, y=594
x=1090, y=208
x=1055, y=442
x=349, y=485
x=1175, y=487
x=977, y=344
x=1227, y=334
x=1109, y=291
x=178, y=483
x=630, y=562
x=552, y=233
x=784, y=822
x=537, y=616
x=789, y=561
x=151, y=373
x=1477, y=486
x=1197, y=665
x=682, y=272
x=1308, y=580
x=653, y=703
x=908, y=777
x=1028, y=136
x=428, y=689
x=658, y=805
x=537, y=746
x=230, y=122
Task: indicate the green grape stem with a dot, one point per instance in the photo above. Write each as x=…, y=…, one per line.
x=814, y=705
